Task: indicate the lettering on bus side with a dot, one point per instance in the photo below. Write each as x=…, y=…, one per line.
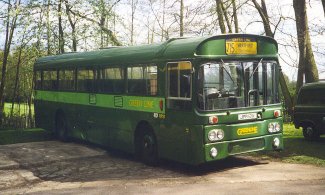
x=141, y=103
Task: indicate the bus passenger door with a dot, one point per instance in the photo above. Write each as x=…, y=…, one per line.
x=178, y=119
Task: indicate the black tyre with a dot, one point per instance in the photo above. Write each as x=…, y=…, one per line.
x=310, y=133
x=146, y=147
x=61, y=128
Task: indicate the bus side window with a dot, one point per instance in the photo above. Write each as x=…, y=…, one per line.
x=136, y=80
x=179, y=85
x=142, y=80
x=50, y=81
x=151, y=84
x=66, y=80
x=86, y=80
x=111, y=80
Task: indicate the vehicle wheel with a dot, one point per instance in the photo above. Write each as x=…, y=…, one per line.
x=310, y=133
x=61, y=128
x=146, y=147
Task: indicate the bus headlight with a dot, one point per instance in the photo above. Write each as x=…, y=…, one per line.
x=216, y=135
x=274, y=127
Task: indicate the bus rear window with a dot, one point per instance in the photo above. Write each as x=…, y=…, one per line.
x=38, y=80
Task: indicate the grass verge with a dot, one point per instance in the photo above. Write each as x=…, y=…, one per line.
x=21, y=136
x=297, y=149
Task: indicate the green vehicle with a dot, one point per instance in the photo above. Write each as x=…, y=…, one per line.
x=309, y=112
x=191, y=100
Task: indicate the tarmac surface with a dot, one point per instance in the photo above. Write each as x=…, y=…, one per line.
x=54, y=167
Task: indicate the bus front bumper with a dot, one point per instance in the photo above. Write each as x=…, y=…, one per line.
x=220, y=150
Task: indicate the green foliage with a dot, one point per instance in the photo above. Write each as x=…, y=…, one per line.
x=20, y=117
x=25, y=76
x=19, y=109
x=298, y=150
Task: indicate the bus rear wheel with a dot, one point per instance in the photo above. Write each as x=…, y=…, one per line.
x=310, y=133
x=61, y=128
x=146, y=147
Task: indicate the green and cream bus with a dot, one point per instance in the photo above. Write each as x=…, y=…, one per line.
x=191, y=100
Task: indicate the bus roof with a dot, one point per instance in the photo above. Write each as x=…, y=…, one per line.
x=172, y=49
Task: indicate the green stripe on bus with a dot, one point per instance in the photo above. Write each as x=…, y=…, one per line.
x=135, y=103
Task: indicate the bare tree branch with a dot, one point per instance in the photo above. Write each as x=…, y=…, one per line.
x=100, y=24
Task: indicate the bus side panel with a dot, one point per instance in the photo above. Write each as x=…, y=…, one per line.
x=44, y=114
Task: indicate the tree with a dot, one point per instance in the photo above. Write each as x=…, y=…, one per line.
x=225, y=17
x=234, y=8
x=307, y=68
x=61, y=36
x=48, y=28
x=72, y=25
x=220, y=16
x=181, y=19
x=134, y=4
x=104, y=11
x=11, y=23
x=265, y=17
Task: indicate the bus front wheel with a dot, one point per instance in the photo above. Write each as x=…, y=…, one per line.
x=61, y=128
x=310, y=133
x=146, y=147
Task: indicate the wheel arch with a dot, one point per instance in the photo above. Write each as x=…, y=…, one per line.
x=142, y=126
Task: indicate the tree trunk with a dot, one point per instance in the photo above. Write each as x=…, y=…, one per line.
x=61, y=36
x=73, y=27
x=48, y=28
x=181, y=19
x=133, y=8
x=16, y=82
x=234, y=8
x=307, y=66
x=163, y=21
x=220, y=16
x=225, y=14
x=265, y=17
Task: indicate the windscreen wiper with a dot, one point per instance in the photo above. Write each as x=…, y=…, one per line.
x=223, y=64
x=258, y=65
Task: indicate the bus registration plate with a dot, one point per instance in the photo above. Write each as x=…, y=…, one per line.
x=241, y=46
x=247, y=116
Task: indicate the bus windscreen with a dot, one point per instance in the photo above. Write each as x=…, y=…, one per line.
x=236, y=84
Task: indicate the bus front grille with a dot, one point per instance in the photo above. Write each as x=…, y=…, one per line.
x=246, y=146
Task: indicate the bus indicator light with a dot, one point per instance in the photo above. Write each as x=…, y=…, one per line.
x=161, y=105
x=213, y=119
x=276, y=113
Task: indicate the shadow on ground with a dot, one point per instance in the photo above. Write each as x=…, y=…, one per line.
x=111, y=165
